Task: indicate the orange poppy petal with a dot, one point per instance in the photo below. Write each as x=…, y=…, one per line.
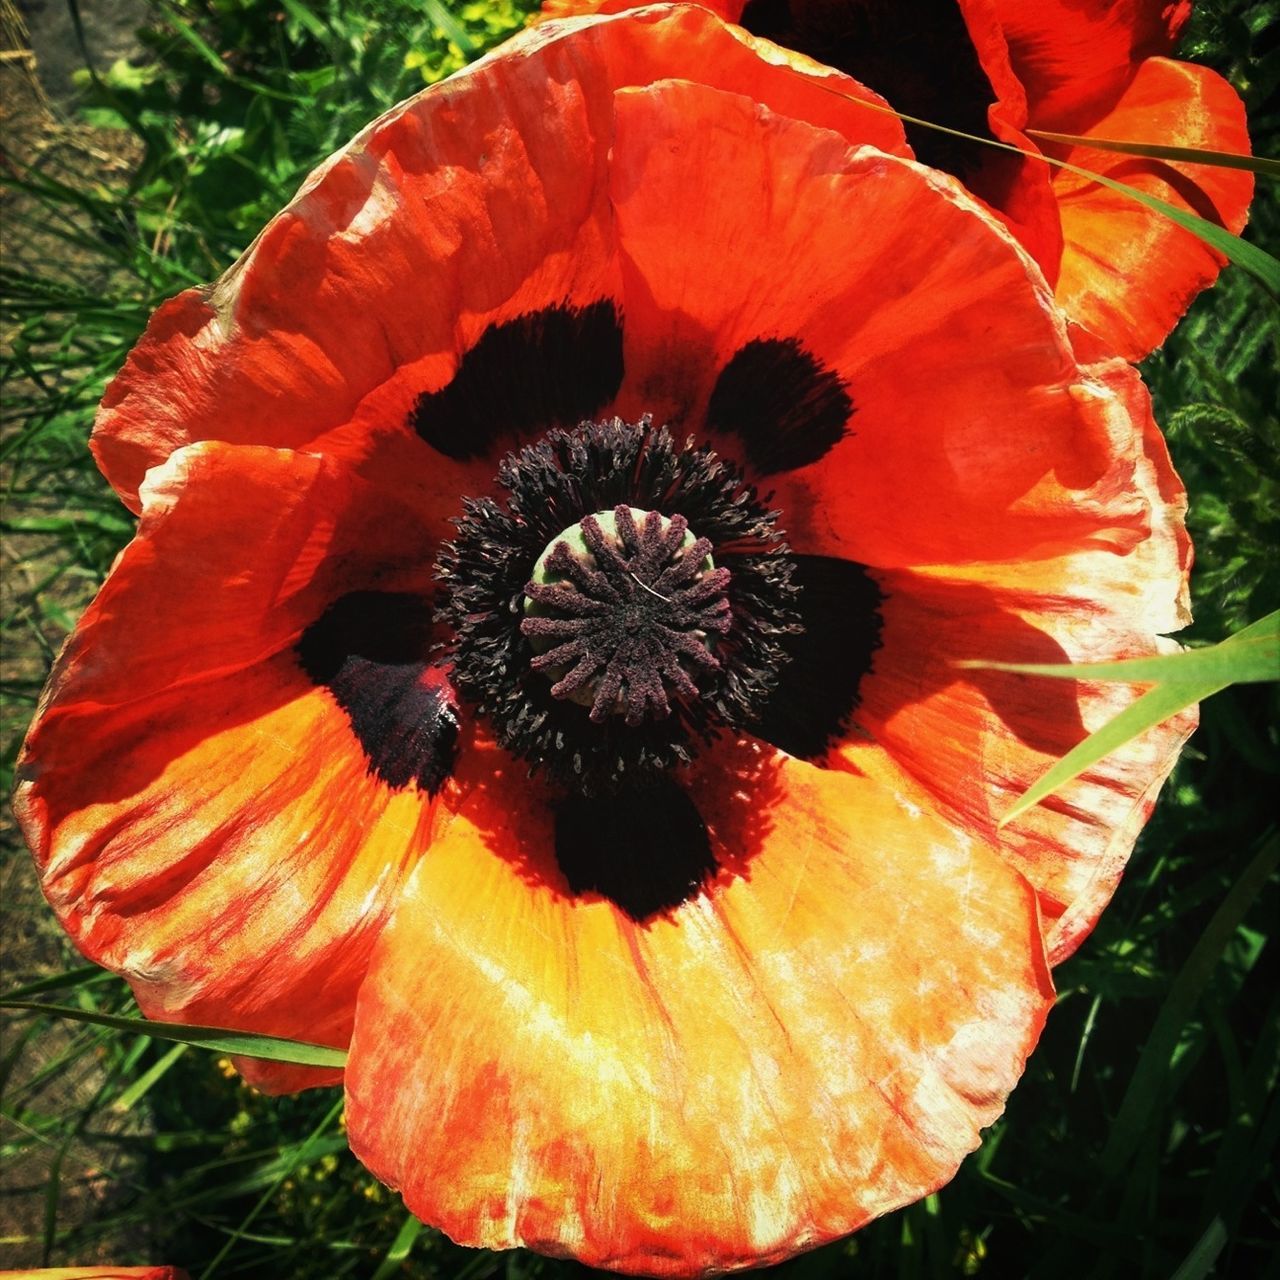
x=1016, y=188
x=1076, y=54
x=187, y=788
x=974, y=741
x=767, y=1067
x=969, y=437
x=1128, y=272
x=475, y=203
x=277, y=535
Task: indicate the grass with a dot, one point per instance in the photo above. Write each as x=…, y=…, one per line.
x=1141, y=1141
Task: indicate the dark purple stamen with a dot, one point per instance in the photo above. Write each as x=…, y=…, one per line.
x=623, y=622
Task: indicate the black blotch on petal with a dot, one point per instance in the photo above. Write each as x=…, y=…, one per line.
x=818, y=689
x=785, y=406
x=369, y=649
x=546, y=368
x=645, y=849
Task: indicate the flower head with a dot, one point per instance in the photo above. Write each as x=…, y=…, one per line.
x=535, y=666
x=1007, y=71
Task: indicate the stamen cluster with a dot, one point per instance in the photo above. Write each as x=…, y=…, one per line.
x=487, y=573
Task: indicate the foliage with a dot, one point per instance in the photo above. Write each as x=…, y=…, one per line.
x=1140, y=1141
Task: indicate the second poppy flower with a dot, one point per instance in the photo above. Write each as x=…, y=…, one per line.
x=1001, y=69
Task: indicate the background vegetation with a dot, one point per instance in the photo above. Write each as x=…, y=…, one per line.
x=1140, y=1142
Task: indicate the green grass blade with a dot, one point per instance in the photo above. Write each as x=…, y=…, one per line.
x=1159, y=704
x=301, y=14
x=1200, y=1262
x=1251, y=656
x=392, y=1264
x=1157, y=151
x=452, y=28
x=82, y=976
x=1257, y=262
x=221, y=1040
x=1144, y=1089
x=305, y=1149
x=186, y=31
x=142, y=1085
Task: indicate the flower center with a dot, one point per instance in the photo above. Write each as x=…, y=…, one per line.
x=621, y=611
x=602, y=637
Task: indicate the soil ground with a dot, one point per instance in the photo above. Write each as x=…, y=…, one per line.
x=60, y=1167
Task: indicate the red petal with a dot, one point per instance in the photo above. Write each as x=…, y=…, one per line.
x=473, y=203
x=964, y=452
x=776, y=1062
x=188, y=792
x=975, y=741
x=1017, y=189
x=970, y=436
x=1076, y=54
x=1128, y=272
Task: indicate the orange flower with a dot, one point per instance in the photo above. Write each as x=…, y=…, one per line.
x=998, y=69
x=635, y=830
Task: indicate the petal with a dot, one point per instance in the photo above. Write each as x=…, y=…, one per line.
x=769, y=1066
x=462, y=210
x=1073, y=54
x=1129, y=272
x=936, y=60
x=970, y=437
x=1017, y=188
x=276, y=535
x=188, y=788
x=974, y=741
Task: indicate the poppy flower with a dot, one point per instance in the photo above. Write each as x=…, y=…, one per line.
x=997, y=69
x=535, y=665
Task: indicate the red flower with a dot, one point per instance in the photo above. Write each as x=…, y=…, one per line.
x=1089, y=68
x=347, y=750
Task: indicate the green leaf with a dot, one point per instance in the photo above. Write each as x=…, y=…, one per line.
x=1202, y=1259
x=1251, y=656
x=82, y=976
x=1248, y=656
x=452, y=28
x=1157, y=151
x=1132, y=1122
x=244, y=1043
x=392, y=1264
